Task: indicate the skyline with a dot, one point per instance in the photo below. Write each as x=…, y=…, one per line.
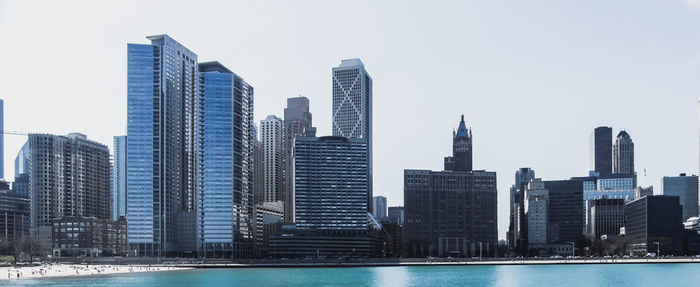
x=570, y=86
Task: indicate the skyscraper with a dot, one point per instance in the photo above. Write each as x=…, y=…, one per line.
x=68, y=176
x=461, y=159
x=601, y=150
x=2, y=139
x=623, y=154
x=352, y=107
x=517, y=227
x=224, y=177
x=271, y=135
x=162, y=83
x=686, y=188
x=379, y=207
x=297, y=120
x=21, y=184
x=118, y=185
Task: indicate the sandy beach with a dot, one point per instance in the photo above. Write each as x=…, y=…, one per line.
x=62, y=270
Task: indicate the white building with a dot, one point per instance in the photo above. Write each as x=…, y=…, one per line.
x=271, y=135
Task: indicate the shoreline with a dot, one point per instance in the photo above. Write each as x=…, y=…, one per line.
x=56, y=270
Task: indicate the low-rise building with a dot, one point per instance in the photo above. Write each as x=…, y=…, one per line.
x=88, y=236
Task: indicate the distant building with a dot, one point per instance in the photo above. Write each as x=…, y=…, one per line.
x=517, y=229
x=601, y=150
x=461, y=159
x=21, y=184
x=653, y=219
x=686, y=188
x=297, y=120
x=352, y=108
x=118, y=177
x=379, y=207
x=640, y=192
x=2, y=139
x=623, y=154
x=605, y=186
x=271, y=129
x=396, y=214
x=536, y=205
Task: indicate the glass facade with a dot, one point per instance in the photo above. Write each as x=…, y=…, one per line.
x=118, y=177
x=225, y=201
x=160, y=161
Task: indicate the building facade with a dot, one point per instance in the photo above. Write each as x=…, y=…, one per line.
x=517, y=229
x=686, y=188
x=601, y=150
x=225, y=211
x=352, y=108
x=331, y=184
x=271, y=135
x=14, y=217
x=118, y=179
x=606, y=216
x=536, y=205
x=653, y=219
x=88, y=236
x=162, y=84
x=396, y=214
x=623, y=154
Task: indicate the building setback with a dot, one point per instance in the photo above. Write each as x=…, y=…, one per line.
x=450, y=213
x=686, y=188
x=352, y=108
x=653, y=219
x=162, y=83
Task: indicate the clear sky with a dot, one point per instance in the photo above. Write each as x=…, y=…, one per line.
x=533, y=78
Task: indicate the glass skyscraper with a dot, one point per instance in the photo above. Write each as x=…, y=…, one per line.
x=160, y=160
x=224, y=175
x=352, y=107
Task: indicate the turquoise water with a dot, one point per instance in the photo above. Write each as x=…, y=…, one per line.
x=525, y=275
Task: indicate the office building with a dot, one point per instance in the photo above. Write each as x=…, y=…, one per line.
x=14, y=217
x=396, y=214
x=623, y=154
x=88, y=237
x=118, y=177
x=654, y=219
x=297, y=120
x=601, y=150
x=352, y=108
x=379, y=207
x=331, y=183
x=565, y=210
x=686, y=188
x=160, y=159
x=461, y=159
x=271, y=135
x=225, y=211
x=606, y=216
x=536, y=205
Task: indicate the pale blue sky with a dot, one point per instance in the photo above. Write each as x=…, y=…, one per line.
x=533, y=78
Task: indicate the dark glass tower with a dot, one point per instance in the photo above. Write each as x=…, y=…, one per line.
x=461, y=159
x=601, y=150
x=623, y=154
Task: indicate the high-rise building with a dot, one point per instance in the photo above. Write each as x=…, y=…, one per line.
x=271, y=135
x=654, y=219
x=518, y=227
x=379, y=207
x=352, y=107
x=21, y=184
x=2, y=139
x=330, y=187
x=396, y=214
x=601, y=150
x=118, y=185
x=297, y=120
x=68, y=176
x=450, y=213
x=536, y=205
x=565, y=210
x=461, y=159
x=623, y=154
x=686, y=188
x=162, y=83
x=225, y=221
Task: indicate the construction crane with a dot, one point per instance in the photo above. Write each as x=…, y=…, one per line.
x=14, y=133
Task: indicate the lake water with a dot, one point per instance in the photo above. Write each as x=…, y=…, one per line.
x=666, y=275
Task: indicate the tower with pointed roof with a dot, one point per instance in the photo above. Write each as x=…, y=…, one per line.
x=461, y=159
